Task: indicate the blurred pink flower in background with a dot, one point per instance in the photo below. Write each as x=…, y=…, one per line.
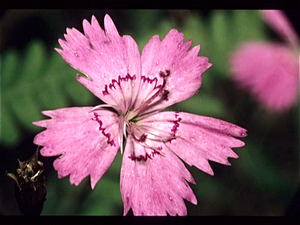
x=135, y=89
x=269, y=70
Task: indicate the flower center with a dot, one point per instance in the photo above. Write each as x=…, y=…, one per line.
x=158, y=95
x=120, y=92
x=133, y=98
x=151, y=136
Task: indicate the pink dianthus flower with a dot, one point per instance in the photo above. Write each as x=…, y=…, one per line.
x=135, y=89
x=269, y=70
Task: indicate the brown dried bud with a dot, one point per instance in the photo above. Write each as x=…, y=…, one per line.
x=30, y=191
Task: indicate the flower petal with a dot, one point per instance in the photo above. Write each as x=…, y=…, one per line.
x=154, y=186
x=86, y=141
x=269, y=71
x=196, y=139
x=280, y=23
x=104, y=59
x=185, y=67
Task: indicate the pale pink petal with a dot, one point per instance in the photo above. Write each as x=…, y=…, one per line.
x=269, y=71
x=173, y=55
x=196, y=139
x=280, y=23
x=156, y=185
x=86, y=141
x=106, y=60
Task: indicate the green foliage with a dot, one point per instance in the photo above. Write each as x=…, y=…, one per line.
x=202, y=104
x=32, y=82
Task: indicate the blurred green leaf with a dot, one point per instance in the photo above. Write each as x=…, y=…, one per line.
x=9, y=129
x=144, y=20
x=247, y=25
x=103, y=199
x=32, y=82
x=26, y=109
x=219, y=31
x=202, y=104
x=9, y=65
x=33, y=62
x=62, y=197
x=262, y=172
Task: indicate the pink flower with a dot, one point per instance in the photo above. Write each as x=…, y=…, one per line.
x=270, y=71
x=136, y=88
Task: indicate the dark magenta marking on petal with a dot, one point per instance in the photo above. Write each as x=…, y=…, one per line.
x=105, y=92
x=164, y=74
x=176, y=124
x=143, y=138
x=165, y=94
x=138, y=158
x=144, y=158
x=107, y=135
x=150, y=81
x=128, y=77
x=91, y=45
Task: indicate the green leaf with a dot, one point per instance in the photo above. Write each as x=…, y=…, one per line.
x=34, y=60
x=79, y=94
x=26, y=110
x=9, y=65
x=220, y=30
x=202, y=104
x=261, y=171
x=144, y=20
x=53, y=98
x=247, y=25
x=103, y=198
x=9, y=133
x=60, y=196
x=32, y=82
